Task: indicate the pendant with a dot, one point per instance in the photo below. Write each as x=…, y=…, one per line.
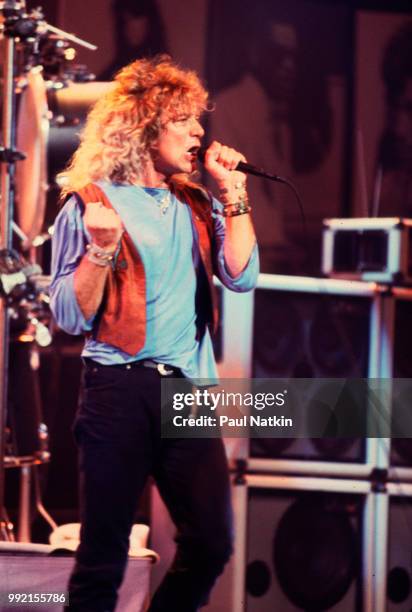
x=164, y=204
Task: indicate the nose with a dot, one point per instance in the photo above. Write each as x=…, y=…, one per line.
x=196, y=128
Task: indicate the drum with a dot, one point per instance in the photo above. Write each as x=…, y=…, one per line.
x=50, y=118
x=32, y=136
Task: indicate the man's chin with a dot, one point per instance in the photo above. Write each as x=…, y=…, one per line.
x=187, y=168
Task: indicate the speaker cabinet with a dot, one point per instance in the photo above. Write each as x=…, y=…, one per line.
x=310, y=334
x=289, y=524
x=301, y=544
x=399, y=560
x=401, y=448
x=308, y=556
x=298, y=327
x=402, y=343
x=304, y=335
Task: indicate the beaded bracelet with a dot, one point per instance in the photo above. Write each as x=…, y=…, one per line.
x=98, y=255
x=234, y=210
x=236, y=213
x=242, y=195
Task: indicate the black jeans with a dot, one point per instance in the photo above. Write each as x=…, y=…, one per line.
x=117, y=430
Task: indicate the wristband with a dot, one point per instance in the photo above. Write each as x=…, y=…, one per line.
x=234, y=210
x=98, y=255
x=240, y=188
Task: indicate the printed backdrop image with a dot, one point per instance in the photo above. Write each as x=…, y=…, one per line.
x=278, y=75
x=383, y=115
x=129, y=29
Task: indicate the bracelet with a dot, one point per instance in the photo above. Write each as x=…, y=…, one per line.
x=236, y=213
x=236, y=205
x=239, y=186
x=98, y=255
x=234, y=210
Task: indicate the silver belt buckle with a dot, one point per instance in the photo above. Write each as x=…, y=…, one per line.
x=161, y=368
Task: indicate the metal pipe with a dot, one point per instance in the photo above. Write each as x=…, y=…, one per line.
x=71, y=37
x=6, y=214
x=24, y=531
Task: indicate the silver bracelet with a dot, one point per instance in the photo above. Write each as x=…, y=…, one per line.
x=98, y=255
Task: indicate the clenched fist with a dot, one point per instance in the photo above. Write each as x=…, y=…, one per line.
x=221, y=161
x=103, y=224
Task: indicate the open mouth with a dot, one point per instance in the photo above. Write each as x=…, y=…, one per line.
x=193, y=151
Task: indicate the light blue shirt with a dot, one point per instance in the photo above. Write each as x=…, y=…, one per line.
x=167, y=243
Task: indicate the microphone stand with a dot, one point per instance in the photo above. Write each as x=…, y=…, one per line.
x=16, y=27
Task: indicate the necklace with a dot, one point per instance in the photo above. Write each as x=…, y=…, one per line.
x=164, y=202
x=162, y=196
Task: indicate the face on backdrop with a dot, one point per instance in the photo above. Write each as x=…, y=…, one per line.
x=275, y=63
x=401, y=125
x=136, y=29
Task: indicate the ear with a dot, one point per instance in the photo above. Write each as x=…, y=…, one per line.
x=154, y=151
x=152, y=134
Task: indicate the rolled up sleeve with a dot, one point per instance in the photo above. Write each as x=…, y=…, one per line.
x=247, y=279
x=68, y=247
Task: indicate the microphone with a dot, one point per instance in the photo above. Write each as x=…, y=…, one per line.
x=245, y=167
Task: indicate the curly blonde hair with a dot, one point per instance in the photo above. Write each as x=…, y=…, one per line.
x=125, y=122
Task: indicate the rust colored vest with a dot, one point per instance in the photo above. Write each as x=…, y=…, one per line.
x=121, y=321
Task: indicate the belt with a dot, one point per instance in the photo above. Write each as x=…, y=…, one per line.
x=163, y=368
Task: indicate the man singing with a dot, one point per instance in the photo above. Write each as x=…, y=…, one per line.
x=134, y=251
